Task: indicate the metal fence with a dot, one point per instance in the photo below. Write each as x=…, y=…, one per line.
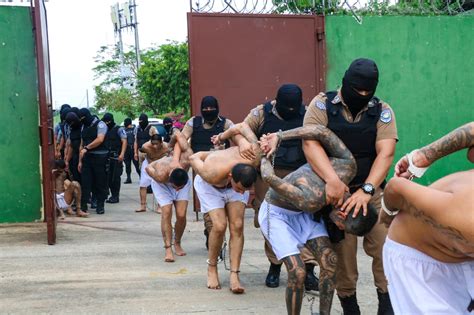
x=327, y=7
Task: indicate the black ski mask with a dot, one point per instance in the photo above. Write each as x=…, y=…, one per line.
x=143, y=121
x=65, y=108
x=73, y=120
x=109, y=120
x=168, y=124
x=85, y=117
x=288, y=101
x=361, y=75
x=209, y=102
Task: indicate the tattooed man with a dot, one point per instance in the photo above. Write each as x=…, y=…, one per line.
x=286, y=218
x=170, y=184
x=429, y=251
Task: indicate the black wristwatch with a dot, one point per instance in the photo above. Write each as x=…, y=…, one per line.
x=368, y=188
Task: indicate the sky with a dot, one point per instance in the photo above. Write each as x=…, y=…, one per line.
x=77, y=29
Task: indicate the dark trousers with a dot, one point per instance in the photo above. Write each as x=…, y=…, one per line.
x=128, y=159
x=114, y=172
x=73, y=163
x=94, y=178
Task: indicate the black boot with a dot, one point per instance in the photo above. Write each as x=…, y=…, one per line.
x=311, y=283
x=113, y=199
x=128, y=180
x=385, y=306
x=349, y=305
x=273, y=277
x=100, y=208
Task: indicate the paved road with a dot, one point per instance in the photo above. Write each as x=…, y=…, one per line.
x=113, y=264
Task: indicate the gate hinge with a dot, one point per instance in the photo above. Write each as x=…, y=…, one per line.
x=319, y=33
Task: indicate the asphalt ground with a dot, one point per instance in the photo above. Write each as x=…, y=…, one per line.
x=114, y=264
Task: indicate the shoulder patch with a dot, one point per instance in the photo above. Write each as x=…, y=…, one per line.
x=386, y=115
x=320, y=105
x=336, y=99
x=190, y=122
x=255, y=112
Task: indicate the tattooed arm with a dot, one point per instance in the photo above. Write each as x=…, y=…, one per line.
x=238, y=129
x=458, y=139
x=332, y=144
x=449, y=213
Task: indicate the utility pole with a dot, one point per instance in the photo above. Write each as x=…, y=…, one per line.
x=87, y=97
x=123, y=17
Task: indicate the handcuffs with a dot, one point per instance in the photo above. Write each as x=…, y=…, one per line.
x=415, y=172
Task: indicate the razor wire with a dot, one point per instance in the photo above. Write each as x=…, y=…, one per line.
x=357, y=8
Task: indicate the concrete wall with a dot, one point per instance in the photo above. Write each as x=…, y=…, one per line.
x=426, y=69
x=20, y=186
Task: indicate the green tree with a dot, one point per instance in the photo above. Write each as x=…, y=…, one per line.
x=163, y=79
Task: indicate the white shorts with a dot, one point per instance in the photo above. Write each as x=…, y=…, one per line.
x=212, y=198
x=145, y=179
x=62, y=204
x=420, y=284
x=289, y=230
x=165, y=194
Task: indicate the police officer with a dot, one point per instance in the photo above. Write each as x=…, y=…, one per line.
x=92, y=159
x=116, y=143
x=200, y=129
x=60, y=132
x=168, y=125
x=285, y=112
x=367, y=127
x=128, y=159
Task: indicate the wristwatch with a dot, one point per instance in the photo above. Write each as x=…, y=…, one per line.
x=368, y=188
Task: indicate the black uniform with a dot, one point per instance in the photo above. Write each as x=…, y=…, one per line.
x=75, y=140
x=128, y=158
x=113, y=143
x=201, y=138
x=94, y=176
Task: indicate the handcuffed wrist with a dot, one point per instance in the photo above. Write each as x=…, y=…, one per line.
x=386, y=210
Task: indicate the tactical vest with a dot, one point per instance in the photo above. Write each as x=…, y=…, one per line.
x=75, y=138
x=89, y=134
x=290, y=153
x=112, y=140
x=201, y=138
x=130, y=136
x=358, y=137
x=143, y=135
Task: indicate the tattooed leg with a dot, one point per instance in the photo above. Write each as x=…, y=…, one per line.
x=327, y=259
x=295, y=289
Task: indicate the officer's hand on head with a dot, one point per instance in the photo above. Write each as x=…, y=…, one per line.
x=358, y=200
x=335, y=190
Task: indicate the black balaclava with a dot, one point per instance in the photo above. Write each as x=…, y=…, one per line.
x=168, y=124
x=127, y=122
x=288, y=101
x=85, y=117
x=63, y=109
x=73, y=120
x=75, y=110
x=109, y=120
x=209, y=116
x=143, y=121
x=361, y=75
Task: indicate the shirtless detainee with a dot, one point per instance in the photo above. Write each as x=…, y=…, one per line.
x=171, y=185
x=66, y=191
x=222, y=185
x=154, y=149
x=428, y=255
x=290, y=203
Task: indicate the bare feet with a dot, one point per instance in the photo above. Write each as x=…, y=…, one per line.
x=235, y=286
x=142, y=208
x=62, y=216
x=158, y=210
x=69, y=211
x=81, y=214
x=168, y=254
x=178, y=249
x=213, y=277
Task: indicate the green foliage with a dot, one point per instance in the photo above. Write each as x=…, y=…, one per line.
x=375, y=7
x=160, y=86
x=163, y=80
